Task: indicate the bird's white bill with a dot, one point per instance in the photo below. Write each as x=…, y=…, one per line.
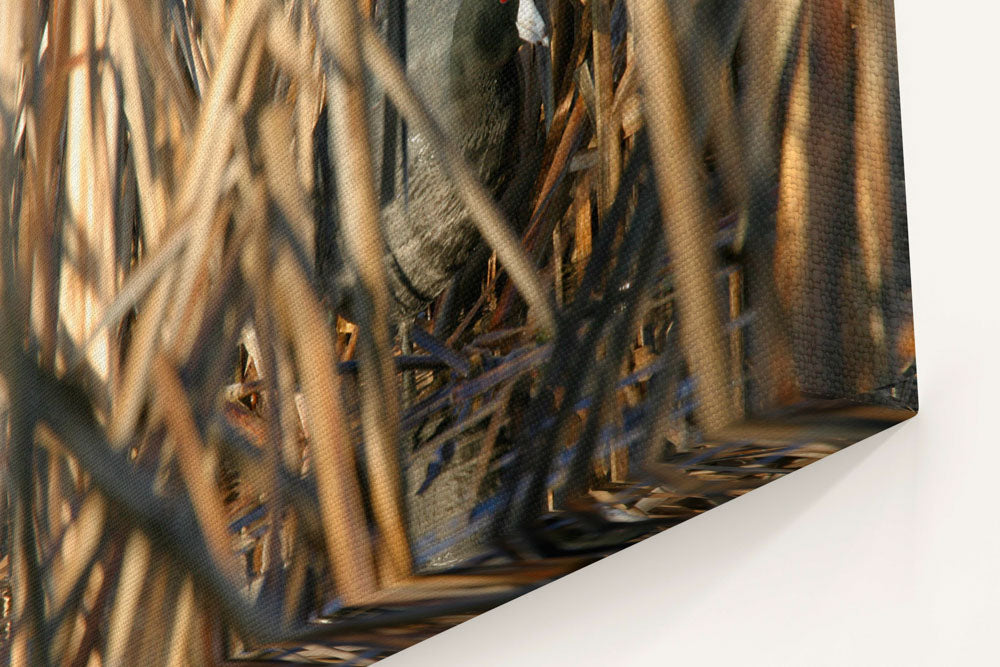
x=530, y=24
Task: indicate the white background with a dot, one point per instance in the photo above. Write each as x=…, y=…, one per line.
x=885, y=554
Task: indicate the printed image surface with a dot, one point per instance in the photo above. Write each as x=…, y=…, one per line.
x=325, y=326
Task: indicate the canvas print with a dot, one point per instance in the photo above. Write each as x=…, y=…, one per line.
x=326, y=325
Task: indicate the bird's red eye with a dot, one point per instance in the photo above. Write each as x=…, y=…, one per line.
x=503, y=2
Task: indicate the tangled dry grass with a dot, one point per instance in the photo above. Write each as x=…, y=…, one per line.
x=200, y=465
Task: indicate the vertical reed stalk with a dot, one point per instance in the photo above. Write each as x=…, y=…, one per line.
x=338, y=26
x=684, y=212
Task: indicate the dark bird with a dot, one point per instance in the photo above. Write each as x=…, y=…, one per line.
x=463, y=62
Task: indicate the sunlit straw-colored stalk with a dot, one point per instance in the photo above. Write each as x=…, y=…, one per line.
x=606, y=123
x=78, y=545
x=180, y=634
x=132, y=581
x=872, y=153
x=12, y=57
x=338, y=25
x=344, y=527
x=684, y=211
x=45, y=116
x=793, y=195
x=769, y=28
x=88, y=268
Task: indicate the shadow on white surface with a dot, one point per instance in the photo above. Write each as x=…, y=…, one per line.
x=670, y=598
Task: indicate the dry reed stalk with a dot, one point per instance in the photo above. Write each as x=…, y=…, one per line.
x=585, y=87
x=626, y=92
x=580, y=39
x=197, y=465
x=181, y=630
x=45, y=118
x=736, y=351
x=13, y=55
x=151, y=181
x=293, y=50
x=684, y=212
x=79, y=543
x=725, y=132
x=155, y=616
x=310, y=100
x=127, y=600
x=575, y=124
x=159, y=52
x=276, y=135
x=280, y=415
x=582, y=236
x=303, y=323
x=214, y=19
x=557, y=262
x=88, y=267
x=338, y=25
x=482, y=209
x=198, y=202
x=872, y=171
x=89, y=625
x=568, y=144
x=289, y=410
x=131, y=393
x=838, y=340
x=769, y=28
x=30, y=639
x=605, y=122
x=794, y=179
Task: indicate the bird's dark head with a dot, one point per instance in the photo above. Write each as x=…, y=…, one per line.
x=488, y=32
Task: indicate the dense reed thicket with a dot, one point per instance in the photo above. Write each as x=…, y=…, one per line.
x=203, y=461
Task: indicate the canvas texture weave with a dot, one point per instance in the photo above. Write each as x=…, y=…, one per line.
x=325, y=326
